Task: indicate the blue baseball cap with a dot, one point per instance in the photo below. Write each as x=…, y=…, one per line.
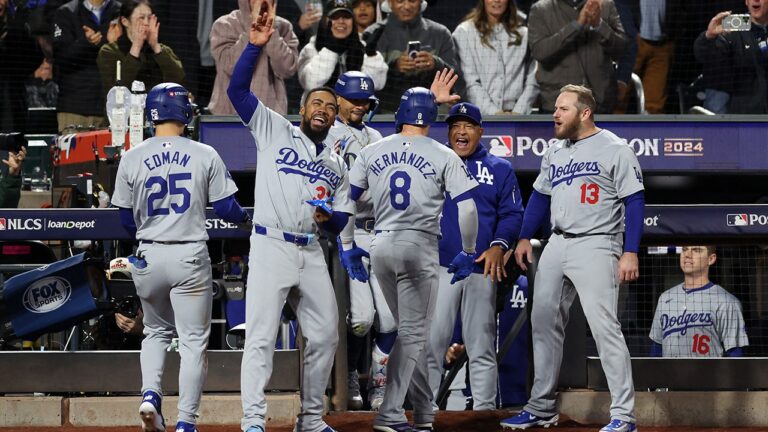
x=465, y=110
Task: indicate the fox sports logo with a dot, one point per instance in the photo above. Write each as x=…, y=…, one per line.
x=47, y=294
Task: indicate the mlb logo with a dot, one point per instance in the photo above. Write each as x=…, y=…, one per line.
x=500, y=145
x=740, y=219
x=2, y=224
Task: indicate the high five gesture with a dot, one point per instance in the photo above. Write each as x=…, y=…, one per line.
x=262, y=21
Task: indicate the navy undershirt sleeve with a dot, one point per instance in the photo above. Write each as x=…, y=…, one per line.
x=634, y=206
x=337, y=223
x=239, y=90
x=127, y=221
x=229, y=209
x=535, y=214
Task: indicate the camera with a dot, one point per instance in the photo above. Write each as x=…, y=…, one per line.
x=13, y=142
x=413, y=49
x=128, y=306
x=737, y=23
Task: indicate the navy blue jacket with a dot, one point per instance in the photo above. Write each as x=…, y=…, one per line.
x=499, y=208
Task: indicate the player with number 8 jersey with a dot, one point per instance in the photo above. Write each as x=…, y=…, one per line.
x=407, y=176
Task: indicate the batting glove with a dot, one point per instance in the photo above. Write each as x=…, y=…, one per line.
x=323, y=204
x=352, y=260
x=461, y=266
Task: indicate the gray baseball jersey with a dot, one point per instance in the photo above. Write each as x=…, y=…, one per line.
x=587, y=181
x=348, y=141
x=407, y=177
x=289, y=171
x=702, y=322
x=168, y=181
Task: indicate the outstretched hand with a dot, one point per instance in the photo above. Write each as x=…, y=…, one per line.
x=262, y=21
x=442, y=85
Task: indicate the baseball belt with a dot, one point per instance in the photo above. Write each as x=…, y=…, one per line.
x=365, y=224
x=297, y=239
x=568, y=235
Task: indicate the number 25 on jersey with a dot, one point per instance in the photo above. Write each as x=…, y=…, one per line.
x=171, y=187
x=590, y=193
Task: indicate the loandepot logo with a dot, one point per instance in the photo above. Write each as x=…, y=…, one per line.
x=47, y=294
x=71, y=224
x=747, y=219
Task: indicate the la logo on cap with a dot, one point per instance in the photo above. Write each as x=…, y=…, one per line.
x=363, y=85
x=463, y=109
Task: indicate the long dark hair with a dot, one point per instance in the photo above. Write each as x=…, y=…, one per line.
x=126, y=10
x=479, y=17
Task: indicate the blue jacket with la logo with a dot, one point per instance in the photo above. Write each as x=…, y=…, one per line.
x=499, y=208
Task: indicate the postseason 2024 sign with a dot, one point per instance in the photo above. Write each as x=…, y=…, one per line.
x=680, y=146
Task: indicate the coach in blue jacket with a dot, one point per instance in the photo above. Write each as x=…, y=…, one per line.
x=500, y=215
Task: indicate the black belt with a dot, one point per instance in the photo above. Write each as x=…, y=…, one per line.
x=365, y=224
x=169, y=242
x=568, y=235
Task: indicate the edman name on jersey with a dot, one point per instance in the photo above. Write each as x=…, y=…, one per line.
x=165, y=157
x=572, y=170
x=314, y=170
x=413, y=159
x=681, y=323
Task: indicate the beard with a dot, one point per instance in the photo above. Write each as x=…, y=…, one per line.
x=570, y=130
x=316, y=136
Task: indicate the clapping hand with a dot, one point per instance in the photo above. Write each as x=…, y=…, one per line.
x=14, y=161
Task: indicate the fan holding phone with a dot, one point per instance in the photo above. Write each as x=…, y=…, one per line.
x=729, y=46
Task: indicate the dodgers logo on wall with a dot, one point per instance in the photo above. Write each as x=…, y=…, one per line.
x=47, y=294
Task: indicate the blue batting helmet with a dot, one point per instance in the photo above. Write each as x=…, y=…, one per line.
x=357, y=85
x=417, y=107
x=169, y=101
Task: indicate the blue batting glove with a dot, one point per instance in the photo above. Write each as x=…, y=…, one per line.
x=323, y=204
x=352, y=260
x=461, y=266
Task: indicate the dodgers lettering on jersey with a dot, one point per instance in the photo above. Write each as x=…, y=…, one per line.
x=348, y=141
x=407, y=177
x=168, y=181
x=289, y=171
x=587, y=181
x=702, y=322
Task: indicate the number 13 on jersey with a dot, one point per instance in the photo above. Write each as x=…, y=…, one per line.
x=590, y=193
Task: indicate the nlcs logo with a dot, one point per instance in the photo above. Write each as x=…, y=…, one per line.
x=47, y=294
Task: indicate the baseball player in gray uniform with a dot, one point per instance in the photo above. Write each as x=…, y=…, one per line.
x=698, y=318
x=162, y=189
x=407, y=175
x=590, y=181
x=294, y=165
x=350, y=134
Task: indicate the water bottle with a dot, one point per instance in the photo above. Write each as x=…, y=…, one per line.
x=117, y=101
x=136, y=119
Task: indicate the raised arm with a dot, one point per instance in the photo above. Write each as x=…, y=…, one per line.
x=262, y=22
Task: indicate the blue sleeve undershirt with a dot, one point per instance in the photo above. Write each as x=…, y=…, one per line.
x=337, y=223
x=633, y=220
x=229, y=209
x=535, y=214
x=356, y=192
x=655, y=349
x=239, y=90
x=127, y=221
x=735, y=352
